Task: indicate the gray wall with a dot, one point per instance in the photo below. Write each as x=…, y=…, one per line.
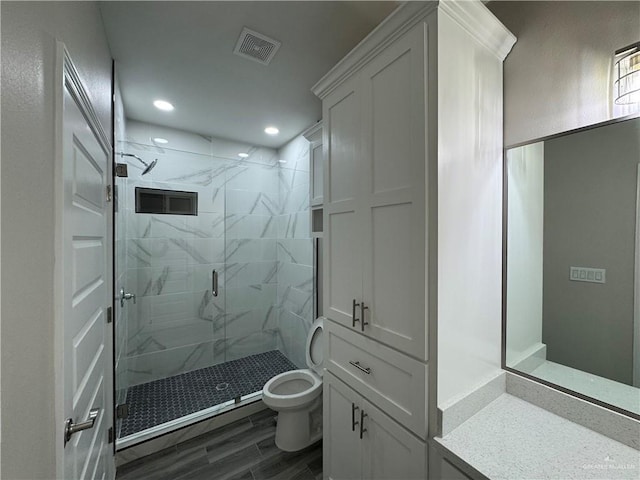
x=558, y=75
x=29, y=31
x=589, y=221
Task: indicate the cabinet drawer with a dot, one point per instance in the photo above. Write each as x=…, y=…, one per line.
x=389, y=379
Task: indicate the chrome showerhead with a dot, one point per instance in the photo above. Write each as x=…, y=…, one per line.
x=147, y=166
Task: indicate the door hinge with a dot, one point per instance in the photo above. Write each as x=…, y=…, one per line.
x=109, y=314
x=109, y=193
x=111, y=439
x=122, y=410
x=121, y=170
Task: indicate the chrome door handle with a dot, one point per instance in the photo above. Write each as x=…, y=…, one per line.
x=70, y=428
x=362, y=321
x=214, y=283
x=354, y=422
x=362, y=417
x=353, y=313
x=126, y=296
x=366, y=370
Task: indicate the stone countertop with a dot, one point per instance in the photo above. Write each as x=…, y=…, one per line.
x=512, y=439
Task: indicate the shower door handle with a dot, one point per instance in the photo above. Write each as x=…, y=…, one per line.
x=214, y=283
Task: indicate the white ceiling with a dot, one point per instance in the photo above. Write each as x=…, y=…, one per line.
x=183, y=52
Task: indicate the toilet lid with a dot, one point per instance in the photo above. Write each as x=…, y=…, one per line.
x=315, y=347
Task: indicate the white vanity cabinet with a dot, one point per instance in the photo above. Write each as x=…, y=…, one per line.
x=365, y=442
x=374, y=197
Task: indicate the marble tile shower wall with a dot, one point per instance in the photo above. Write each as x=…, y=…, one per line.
x=251, y=261
x=294, y=252
x=176, y=325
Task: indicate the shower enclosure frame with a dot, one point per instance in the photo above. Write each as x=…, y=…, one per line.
x=202, y=415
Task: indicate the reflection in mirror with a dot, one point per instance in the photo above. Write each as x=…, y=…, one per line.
x=572, y=262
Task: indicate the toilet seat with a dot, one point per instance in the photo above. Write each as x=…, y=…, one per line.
x=306, y=386
x=315, y=348
x=296, y=388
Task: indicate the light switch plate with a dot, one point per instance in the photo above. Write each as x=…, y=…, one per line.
x=586, y=274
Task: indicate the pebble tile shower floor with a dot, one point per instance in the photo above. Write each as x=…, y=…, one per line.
x=163, y=400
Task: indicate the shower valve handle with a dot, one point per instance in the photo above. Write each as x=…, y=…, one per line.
x=126, y=296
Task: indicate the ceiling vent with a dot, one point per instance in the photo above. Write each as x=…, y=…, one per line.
x=256, y=47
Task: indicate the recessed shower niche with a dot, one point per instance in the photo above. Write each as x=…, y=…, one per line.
x=166, y=202
x=217, y=277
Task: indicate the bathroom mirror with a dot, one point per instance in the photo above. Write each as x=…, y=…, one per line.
x=571, y=286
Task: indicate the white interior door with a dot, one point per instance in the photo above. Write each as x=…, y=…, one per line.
x=83, y=288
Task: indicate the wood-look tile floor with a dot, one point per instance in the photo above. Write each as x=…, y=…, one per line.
x=243, y=450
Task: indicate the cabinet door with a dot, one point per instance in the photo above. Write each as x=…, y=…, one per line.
x=343, y=233
x=441, y=468
x=390, y=451
x=342, y=448
x=392, y=88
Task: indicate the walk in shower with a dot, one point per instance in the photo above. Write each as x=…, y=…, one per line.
x=216, y=296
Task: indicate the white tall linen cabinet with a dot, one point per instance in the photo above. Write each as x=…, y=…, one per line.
x=422, y=91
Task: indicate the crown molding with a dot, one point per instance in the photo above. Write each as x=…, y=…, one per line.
x=395, y=25
x=477, y=20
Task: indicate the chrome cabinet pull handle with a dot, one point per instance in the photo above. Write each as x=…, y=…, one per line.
x=366, y=370
x=214, y=283
x=70, y=428
x=353, y=313
x=354, y=422
x=362, y=321
x=362, y=417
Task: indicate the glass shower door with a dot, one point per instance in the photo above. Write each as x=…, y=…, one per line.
x=173, y=327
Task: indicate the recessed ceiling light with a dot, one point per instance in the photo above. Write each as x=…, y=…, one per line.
x=163, y=105
x=243, y=155
x=160, y=140
x=271, y=131
x=282, y=161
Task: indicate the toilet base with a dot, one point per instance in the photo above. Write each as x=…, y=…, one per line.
x=298, y=429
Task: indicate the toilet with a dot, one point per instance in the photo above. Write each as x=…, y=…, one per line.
x=297, y=397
